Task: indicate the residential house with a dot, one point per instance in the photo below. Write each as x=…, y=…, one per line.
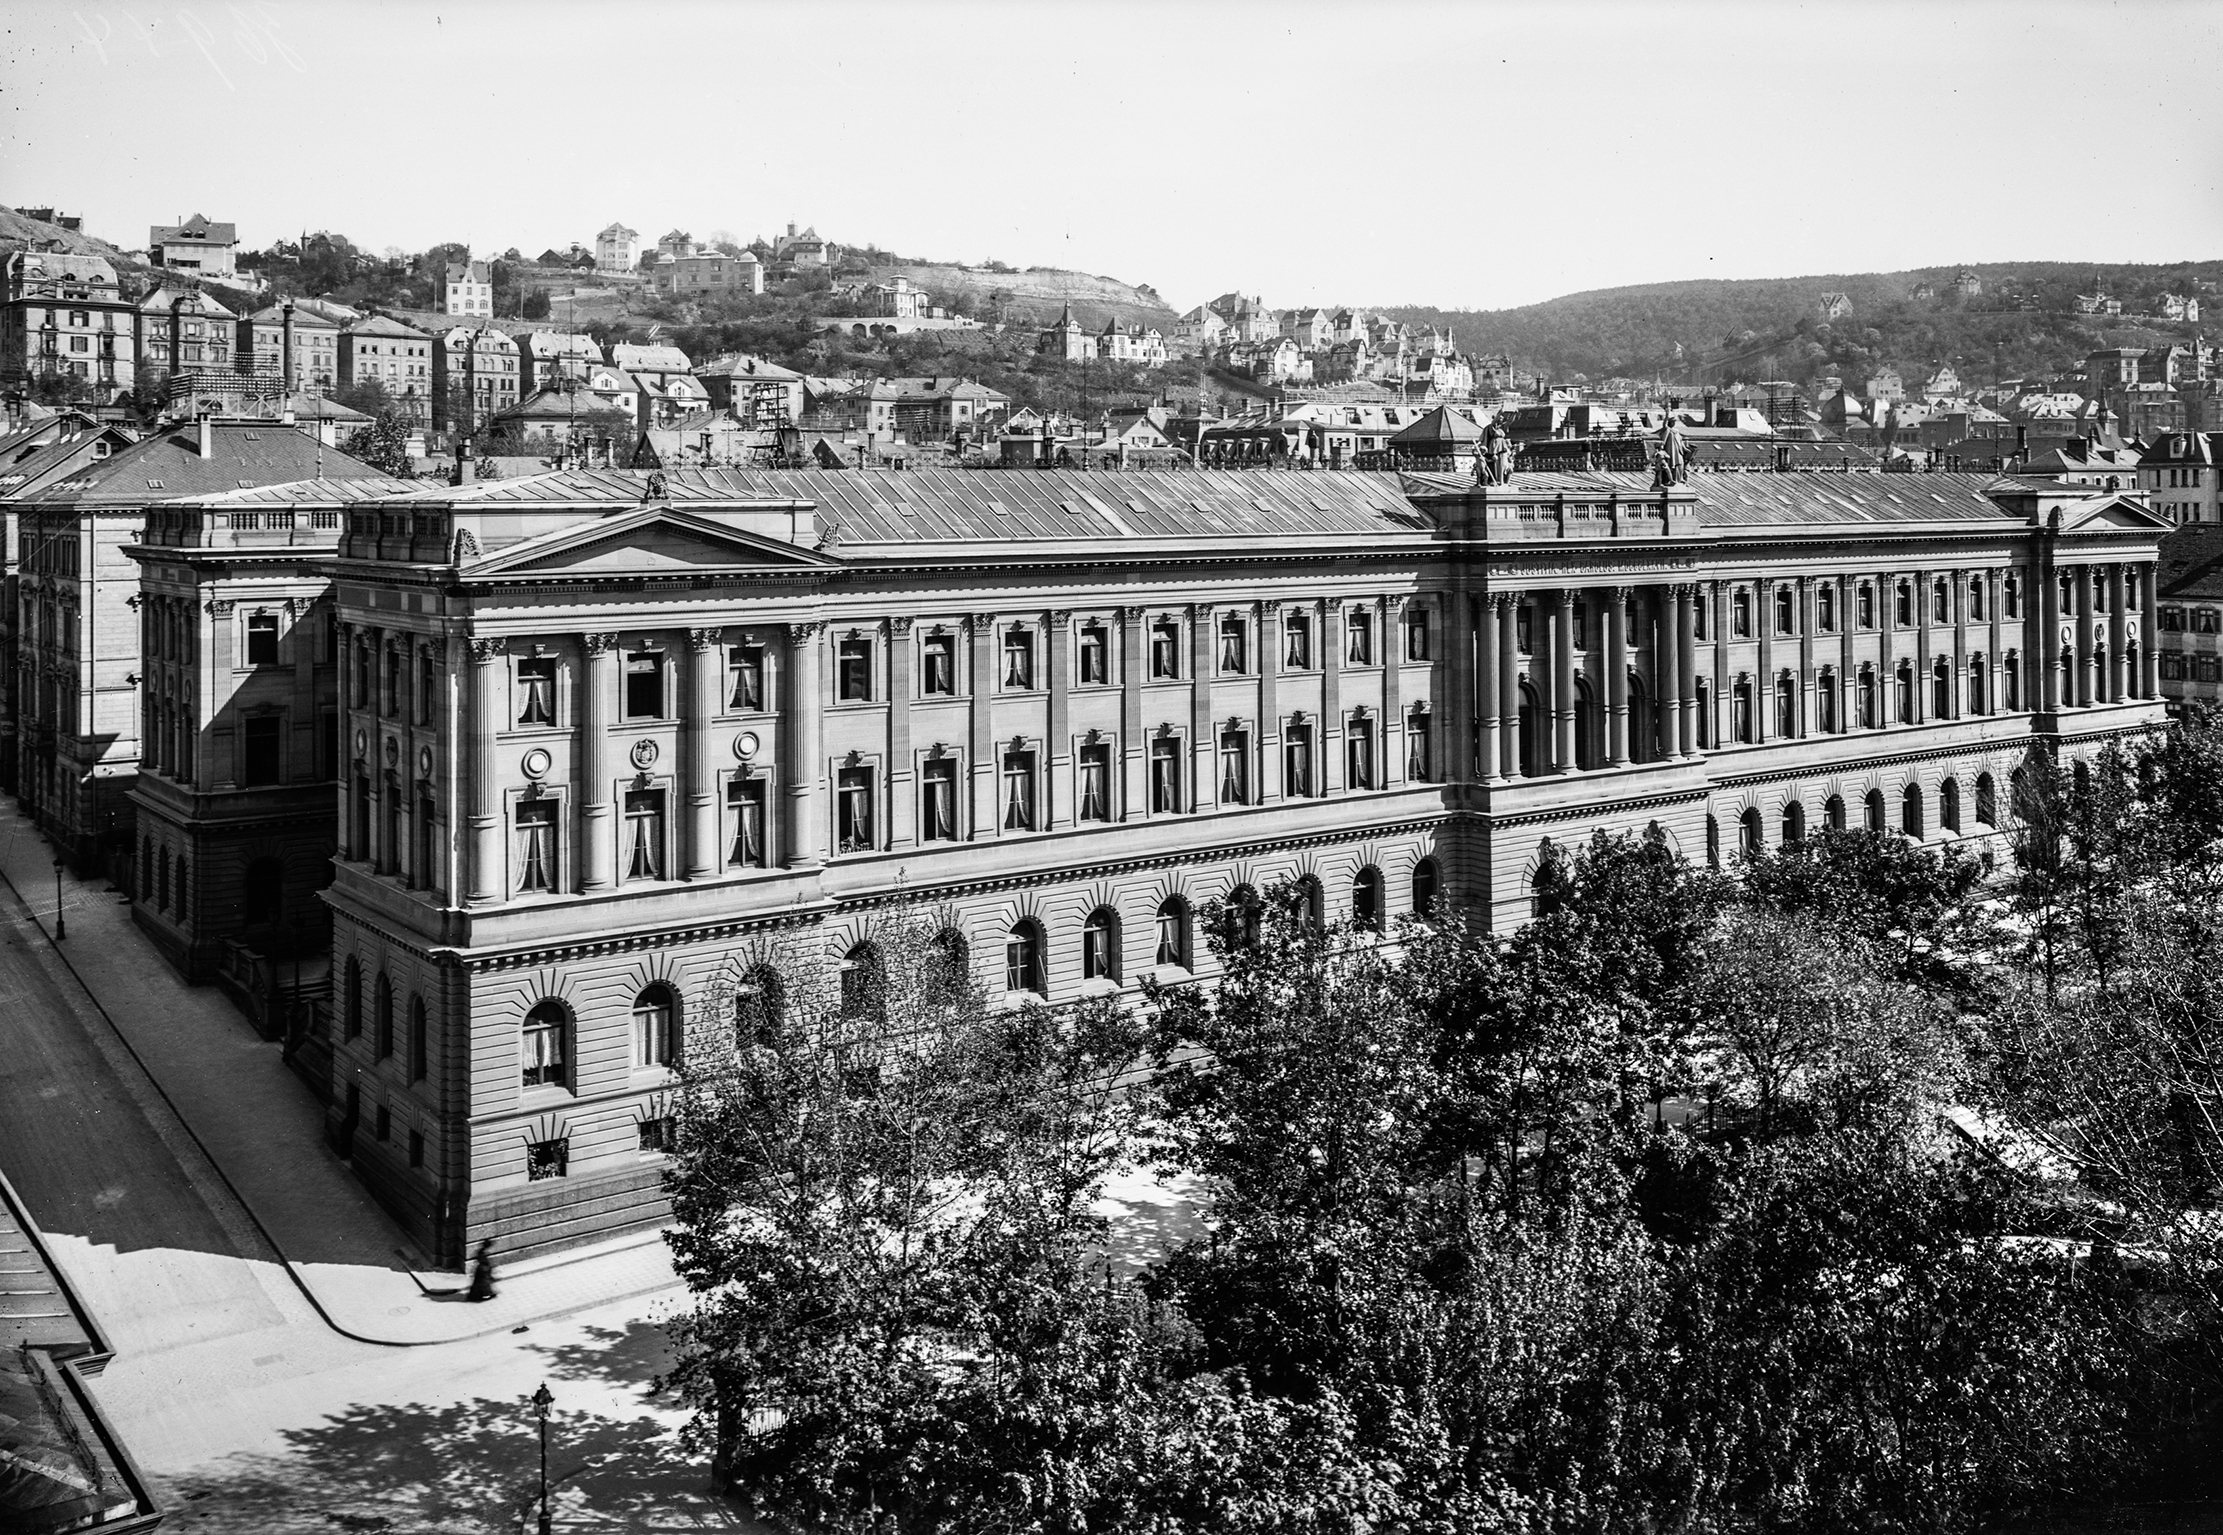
x=1967, y=284
x=794, y=252
x=196, y=247
x=1312, y=329
x=563, y=419
x=185, y=337
x=1066, y=339
x=1885, y=385
x=931, y=409
x=1943, y=385
x=263, y=348
x=61, y=313
x=754, y=391
x=1834, y=306
x=2182, y=476
x=466, y=288
x=547, y=355
x=658, y=360
x=477, y=372
x=709, y=272
x=1131, y=343
x=675, y=244
x=1201, y=329
x=616, y=248
x=612, y=388
x=1274, y=360
x=381, y=349
x=2181, y=307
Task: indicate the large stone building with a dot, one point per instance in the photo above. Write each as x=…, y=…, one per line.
x=76, y=635
x=608, y=741
x=273, y=334
x=66, y=314
x=477, y=372
x=380, y=349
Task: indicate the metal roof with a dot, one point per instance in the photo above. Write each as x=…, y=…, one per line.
x=244, y=454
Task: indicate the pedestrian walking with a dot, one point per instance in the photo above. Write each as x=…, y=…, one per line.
x=482, y=1271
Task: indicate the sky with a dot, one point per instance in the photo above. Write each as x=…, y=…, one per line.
x=1465, y=155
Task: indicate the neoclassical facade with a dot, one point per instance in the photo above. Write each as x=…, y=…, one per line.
x=610, y=740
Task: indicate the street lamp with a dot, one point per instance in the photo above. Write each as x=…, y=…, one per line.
x=542, y=1401
x=61, y=923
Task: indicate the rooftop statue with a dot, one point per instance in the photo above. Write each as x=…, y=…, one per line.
x=1494, y=464
x=1672, y=466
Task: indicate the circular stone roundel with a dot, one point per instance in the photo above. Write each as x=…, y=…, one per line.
x=393, y=751
x=536, y=763
x=424, y=762
x=362, y=744
x=644, y=755
x=745, y=745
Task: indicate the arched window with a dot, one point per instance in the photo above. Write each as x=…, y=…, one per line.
x=1833, y=813
x=382, y=1017
x=1910, y=810
x=1366, y=899
x=1022, y=958
x=759, y=1007
x=263, y=892
x=351, y=1005
x=1308, y=903
x=1424, y=887
x=1987, y=801
x=949, y=975
x=1750, y=842
x=1173, y=933
x=1794, y=822
x=1543, y=885
x=1713, y=843
x=162, y=884
x=655, y=1027
x=185, y=889
x=864, y=984
x=546, y=1048
x=1949, y=804
x=1875, y=811
x=1100, y=945
x=419, y=1044
x=1246, y=904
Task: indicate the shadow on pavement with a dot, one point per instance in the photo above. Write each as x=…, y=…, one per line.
x=634, y=1356
x=470, y=1467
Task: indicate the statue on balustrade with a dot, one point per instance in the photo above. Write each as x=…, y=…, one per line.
x=1493, y=465
x=1672, y=465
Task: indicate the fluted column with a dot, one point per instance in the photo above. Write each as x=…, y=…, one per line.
x=1269, y=703
x=1887, y=675
x=1686, y=670
x=1508, y=606
x=1994, y=658
x=1564, y=755
x=1390, y=771
x=2118, y=635
x=2084, y=658
x=2149, y=641
x=1204, y=793
x=1331, y=696
x=1667, y=675
x=1488, y=759
x=902, y=816
x=1718, y=597
x=698, y=780
x=987, y=818
x=1763, y=692
x=1059, y=789
x=1803, y=607
x=486, y=800
x=2048, y=648
x=802, y=712
x=1134, y=750
x=1617, y=675
x=597, y=784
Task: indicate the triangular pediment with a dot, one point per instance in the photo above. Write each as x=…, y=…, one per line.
x=650, y=543
x=2115, y=514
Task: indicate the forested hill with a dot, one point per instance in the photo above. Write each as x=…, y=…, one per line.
x=2023, y=323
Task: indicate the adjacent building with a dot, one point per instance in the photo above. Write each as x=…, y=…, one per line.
x=616, y=249
x=466, y=288
x=380, y=349
x=197, y=248
x=548, y=356
x=710, y=273
x=477, y=371
x=271, y=335
x=66, y=314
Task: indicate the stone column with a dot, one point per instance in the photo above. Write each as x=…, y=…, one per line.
x=1059, y=788
x=1132, y=746
x=1269, y=703
x=301, y=731
x=1887, y=679
x=1390, y=771
x=2048, y=649
x=980, y=750
x=1719, y=597
x=2083, y=597
x=1203, y=728
x=1763, y=694
x=2118, y=635
x=1957, y=695
x=2149, y=627
x=1667, y=676
x=1994, y=660
x=1686, y=669
x=223, y=745
x=1563, y=717
x=1458, y=701
x=698, y=784
x=1923, y=617
x=902, y=816
x=1617, y=674
x=1508, y=605
x=1804, y=608
x=597, y=785
x=487, y=884
x=1331, y=696
x=1487, y=765
x=802, y=718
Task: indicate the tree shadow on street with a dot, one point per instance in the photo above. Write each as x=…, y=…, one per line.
x=467, y=1468
x=634, y=1356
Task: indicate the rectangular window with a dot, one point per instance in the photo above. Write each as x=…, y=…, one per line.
x=264, y=741
x=938, y=804
x=745, y=679
x=1296, y=643
x=1018, y=791
x=394, y=698
x=536, y=844
x=1165, y=649
x=1358, y=755
x=853, y=667
x=644, y=834
x=655, y=1132
x=1095, y=653
x=1018, y=659
x=941, y=666
x=547, y=1159
x=1825, y=609
x=428, y=688
x=1902, y=604
x=262, y=639
x=1740, y=614
x=1232, y=646
x=427, y=862
x=853, y=810
x=1296, y=771
x=536, y=690
x=1416, y=637
x=1416, y=748
x=1234, y=767
x=1358, y=638
x=1165, y=777
x=1095, y=783
x=644, y=685
x=745, y=812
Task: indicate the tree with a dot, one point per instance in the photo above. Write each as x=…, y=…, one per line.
x=56, y=387
x=384, y=444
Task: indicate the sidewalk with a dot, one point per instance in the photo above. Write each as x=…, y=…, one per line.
x=265, y=1134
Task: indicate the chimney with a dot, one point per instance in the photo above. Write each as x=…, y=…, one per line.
x=466, y=467
x=285, y=350
x=207, y=425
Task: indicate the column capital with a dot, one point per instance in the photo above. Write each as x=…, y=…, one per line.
x=1270, y=608
x=1624, y=595
x=900, y=627
x=1132, y=612
x=222, y=607
x=599, y=644
x=1334, y=604
x=484, y=650
x=700, y=640
x=804, y=632
x=1059, y=617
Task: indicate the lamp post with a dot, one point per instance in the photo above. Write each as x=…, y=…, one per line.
x=61, y=923
x=542, y=1401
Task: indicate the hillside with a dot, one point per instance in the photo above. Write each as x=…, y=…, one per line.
x=2023, y=323
x=1034, y=296
x=17, y=232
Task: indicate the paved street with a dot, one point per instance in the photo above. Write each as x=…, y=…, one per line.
x=243, y=1404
